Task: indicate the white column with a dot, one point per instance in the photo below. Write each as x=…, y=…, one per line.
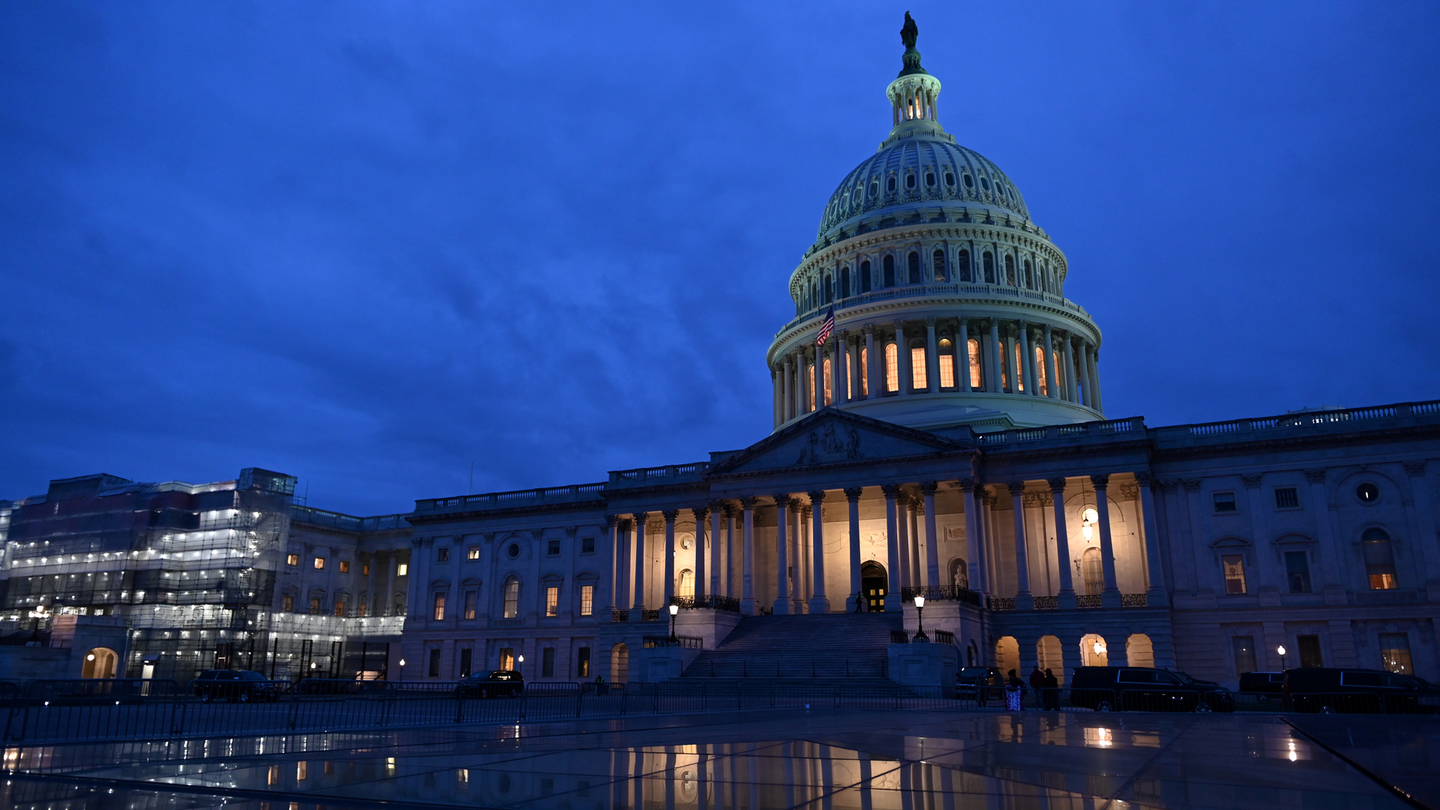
x=612, y=528
x=669, y=590
x=799, y=543
x=1027, y=358
x=818, y=601
x=701, y=582
x=892, y=548
x=852, y=350
x=1110, y=597
x=837, y=370
x=932, y=358
x=852, y=494
x=962, y=357
x=932, y=543
x=1070, y=379
x=789, y=390
x=913, y=536
x=871, y=364
x=1156, y=594
x=747, y=602
x=732, y=554
x=1084, y=367
x=1066, y=597
x=1095, y=378
x=817, y=369
x=902, y=537
x=639, y=583
x=1052, y=383
x=1023, y=598
x=716, y=545
x=902, y=359
x=782, y=587
x=974, y=566
x=997, y=374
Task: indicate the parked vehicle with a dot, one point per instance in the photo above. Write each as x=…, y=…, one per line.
x=235, y=685
x=1363, y=691
x=1146, y=689
x=500, y=683
x=1270, y=683
x=979, y=684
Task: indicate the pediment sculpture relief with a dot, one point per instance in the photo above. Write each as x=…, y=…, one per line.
x=830, y=444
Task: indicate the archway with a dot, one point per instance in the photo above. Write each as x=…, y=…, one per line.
x=1093, y=651
x=1139, y=652
x=873, y=583
x=1048, y=654
x=99, y=663
x=619, y=664
x=1007, y=656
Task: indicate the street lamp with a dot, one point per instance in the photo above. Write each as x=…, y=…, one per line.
x=674, y=609
x=519, y=661
x=402, y=670
x=1280, y=651
x=920, y=636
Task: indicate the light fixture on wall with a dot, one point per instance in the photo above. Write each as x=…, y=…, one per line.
x=1099, y=647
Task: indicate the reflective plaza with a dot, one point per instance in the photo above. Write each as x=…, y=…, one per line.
x=757, y=760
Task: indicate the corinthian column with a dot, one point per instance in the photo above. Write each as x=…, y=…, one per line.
x=789, y=380
x=818, y=601
x=639, y=584
x=1052, y=383
x=782, y=586
x=747, y=602
x=932, y=543
x=1023, y=598
x=892, y=547
x=997, y=374
x=932, y=358
x=701, y=582
x=852, y=494
x=1110, y=597
x=1066, y=597
x=872, y=384
x=670, y=515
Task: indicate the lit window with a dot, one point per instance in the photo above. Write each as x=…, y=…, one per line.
x=1379, y=559
x=687, y=584
x=287, y=603
x=1059, y=373
x=1224, y=501
x=864, y=372
x=1019, y=365
x=1297, y=571
x=292, y=560
x=439, y=614
x=472, y=553
x=587, y=600
x=552, y=548
x=319, y=563
x=442, y=554
x=512, y=598
x=947, y=364
x=1395, y=653
x=1044, y=386
x=402, y=569
x=344, y=566
x=973, y=345
x=314, y=605
x=339, y=608
x=809, y=383
x=918, y=378
x=892, y=368
x=582, y=670
x=552, y=600
x=1234, y=573
x=1287, y=498
x=825, y=380
x=587, y=545
x=1093, y=569
x=470, y=604
x=365, y=570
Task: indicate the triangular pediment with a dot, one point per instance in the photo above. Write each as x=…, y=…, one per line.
x=831, y=437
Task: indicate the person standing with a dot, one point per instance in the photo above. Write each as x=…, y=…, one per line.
x=1037, y=683
x=1014, y=693
x=1052, y=691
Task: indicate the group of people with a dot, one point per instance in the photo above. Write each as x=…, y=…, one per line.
x=1045, y=684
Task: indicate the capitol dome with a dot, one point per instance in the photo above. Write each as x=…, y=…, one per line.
x=947, y=300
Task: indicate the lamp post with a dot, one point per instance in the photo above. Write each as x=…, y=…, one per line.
x=1280, y=651
x=402, y=670
x=674, y=610
x=519, y=664
x=920, y=636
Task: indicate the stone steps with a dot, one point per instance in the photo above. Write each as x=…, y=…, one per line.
x=845, y=648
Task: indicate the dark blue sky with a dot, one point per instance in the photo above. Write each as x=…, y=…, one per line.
x=369, y=243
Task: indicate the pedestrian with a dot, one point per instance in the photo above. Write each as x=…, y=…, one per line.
x=1052, y=691
x=1037, y=682
x=1014, y=693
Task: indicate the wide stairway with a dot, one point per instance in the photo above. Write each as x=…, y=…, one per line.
x=833, y=646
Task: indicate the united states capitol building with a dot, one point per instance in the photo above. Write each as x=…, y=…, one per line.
x=947, y=439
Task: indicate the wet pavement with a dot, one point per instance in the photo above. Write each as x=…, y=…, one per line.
x=752, y=760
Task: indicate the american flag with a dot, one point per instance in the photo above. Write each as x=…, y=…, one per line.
x=826, y=328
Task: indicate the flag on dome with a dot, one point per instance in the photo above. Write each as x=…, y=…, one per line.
x=826, y=328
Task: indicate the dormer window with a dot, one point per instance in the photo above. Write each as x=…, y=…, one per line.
x=969, y=181
x=909, y=181
x=985, y=183
x=890, y=184
x=949, y=178
x=874, y=188
x=929, y=178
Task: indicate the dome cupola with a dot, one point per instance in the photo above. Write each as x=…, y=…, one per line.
x=948, y=301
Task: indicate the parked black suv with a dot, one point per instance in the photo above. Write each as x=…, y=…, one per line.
x=1362, y=691
x=500, y=683
x=1268, y=683
x=1146, y=689
x=243, y=685
x=979, y=684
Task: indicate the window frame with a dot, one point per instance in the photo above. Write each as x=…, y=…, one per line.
x=1234, y=563
x=1215, y=502
x=1293, y=494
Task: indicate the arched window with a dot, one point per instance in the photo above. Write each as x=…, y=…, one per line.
x=988, y=261
x=962, y=264
x=864, y=372
x=1029, y=278
x=929, y=178
x=909, y=181
x=974, y=350
x=825, y=379
x=892, y=368
x=1044, y=381
x=887, y=269
x=1019, y=365
x=1010, y=270
x=1061, y=383
x=844, y=282
x=875, y=188
x=512, y=598
x=890, y=184
x=809, y=383
x=687, y=585
x=919, y=378
x=1379, y=559
x=937, y=264
x=865, y=277
x=1093, y=571
x=913, y=260
x=947, y=364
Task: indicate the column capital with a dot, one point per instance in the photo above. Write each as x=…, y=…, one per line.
x=639, y=517
x=1057, y=485
x=892, y=491
x=1314, y=476
x=930, y=322
x=1252, y=480
x=795, y=504
x=626, y=524
x=700, y=513
x=1191, y=484
x=816, y=497
x=782, y=500
x=967, y=485
x=928, y=487
x=1100, y=481
x=1017, y=488
x=1415, y=469
x=670, y=515
x=1144, y=478
x=610, y=521
x=748, y=502
x=853, y=493
x=805, y=511
x=719, y=505
x=869, y=329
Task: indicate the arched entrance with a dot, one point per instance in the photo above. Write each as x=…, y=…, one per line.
x=99, y=663
x=873, y=583
x=619, y=664
x=1007, y=656
x=1139, y=652
x=1093, y=651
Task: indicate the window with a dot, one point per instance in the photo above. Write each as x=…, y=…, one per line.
x=918, y=381
x=314, y=605
x=844, y=282
x=442, y=554
x=1367, y=493
x=969, y=181
x=582, y=662
x=1287, y=498
x=890, y=184
x=402, y=569
x=439, y=614
x=687, y=585
x=433, y=670
x=937, y=265
x=319, y=563
x=809, y=383
x=865, y=277
x=949, y=178
x=947, y=364
x=1309, y=651
x=1044, y=385
x=962, y=264
x=1019, y=364
x=1234, y=565
x=552, y=548
x=344, y=566
x=587, y=600
x=361, y=610
x=985, y=183
x=587, y=545
x=552, y=600
x=988, y=261
x=1379, y=559
x=467, y=659
x=512, y=551
x=892, y=368
x=512, y=598
x=973, y=346
x=339, y=608
x=287, y=603
x=929, y=178
x=365, y=570
x=825, y=388
x=472, y=553
x=507, y=658
x=1094, y=571
x=1224, y=501
x=1010, y=270
x=913, y=263
x=1297, y=571
x=1244, y=649
x=864, y=372
x=1395, y=653
x=292, y=560
x=471, y=597
x=547, y=662
x=887, y=269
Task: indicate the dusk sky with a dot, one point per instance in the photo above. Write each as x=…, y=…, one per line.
x=368, y=244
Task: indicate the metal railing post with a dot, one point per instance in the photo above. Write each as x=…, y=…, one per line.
x=294, y=709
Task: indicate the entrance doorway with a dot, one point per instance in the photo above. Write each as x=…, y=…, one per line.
x=99, y=663
x=873, y=583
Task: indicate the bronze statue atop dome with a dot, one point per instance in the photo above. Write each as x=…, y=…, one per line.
x=909, y=32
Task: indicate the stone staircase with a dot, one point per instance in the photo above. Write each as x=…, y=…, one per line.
x=839, y=647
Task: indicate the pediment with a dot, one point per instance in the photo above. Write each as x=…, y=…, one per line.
x=831, y=437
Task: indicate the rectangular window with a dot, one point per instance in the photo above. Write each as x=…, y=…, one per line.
x=467, y=658
x=892, y=368
x=1297, y=571
x=1244, y=649
x=439, y=613
x=864, y=373
x=587, y=600
x=434, y=669
x=512, y=598
x=287, y=603
x=547, y=662
x=314, y=605
x=1309, y=651
x=365, y=570
x=552, y=548
x=361, y=609
x=292, y=560
x=1234, y=573
x=442, y=554
x=1044, y=385
x=319, y=563
x=827, y=387
x=339, y=608
x=947, y=371
x=587, y=545
x=402, y=569
x=582, y=662
x=1287, y=498
x=1395, y=653
x=472, y=553
x=507, y=658
x=1379, y=563
x=1020, y=365
x=552, y=600
x=918, y=378
x=470, y=604
x=1224, y=501
x=344, y=566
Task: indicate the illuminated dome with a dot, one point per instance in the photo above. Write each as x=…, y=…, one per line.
x=948, y=299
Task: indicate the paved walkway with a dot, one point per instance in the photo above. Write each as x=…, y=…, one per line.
x=755, y=760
